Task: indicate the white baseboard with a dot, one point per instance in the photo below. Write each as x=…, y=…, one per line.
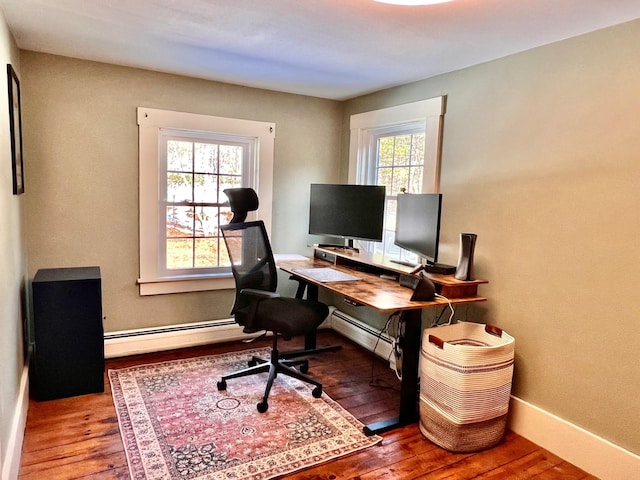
x=587, y=451
x=11, y=464
x=576, y=445
x=147, y=340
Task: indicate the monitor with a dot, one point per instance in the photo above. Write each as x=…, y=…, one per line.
x=418, y=224
x=347, y=211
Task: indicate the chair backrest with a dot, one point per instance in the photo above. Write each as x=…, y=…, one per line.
x=251, y=258
x=241, y=201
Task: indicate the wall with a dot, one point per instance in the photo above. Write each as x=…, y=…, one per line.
x=12, y=269
x=541, y=158
x=81, y=139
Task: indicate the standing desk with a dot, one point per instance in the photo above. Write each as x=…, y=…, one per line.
x=387, y=296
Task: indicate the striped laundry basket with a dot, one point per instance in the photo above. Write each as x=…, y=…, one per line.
x=465, y=385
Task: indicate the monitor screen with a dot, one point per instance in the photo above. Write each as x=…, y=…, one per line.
x=418, y=224
x=347, y=211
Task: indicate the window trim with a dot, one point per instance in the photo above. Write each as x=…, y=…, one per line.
x=150, y=122
x=365, y=125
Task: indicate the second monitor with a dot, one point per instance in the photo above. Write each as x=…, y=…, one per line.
x=418, y=228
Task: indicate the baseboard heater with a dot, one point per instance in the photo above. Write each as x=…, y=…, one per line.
x=361, y=333
x=148, y=340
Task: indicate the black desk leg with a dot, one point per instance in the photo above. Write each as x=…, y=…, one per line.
x=408, y=412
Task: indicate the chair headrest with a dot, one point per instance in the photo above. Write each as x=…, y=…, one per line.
x=241, y=201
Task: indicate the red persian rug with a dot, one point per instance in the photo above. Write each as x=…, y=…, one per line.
x=175, y=424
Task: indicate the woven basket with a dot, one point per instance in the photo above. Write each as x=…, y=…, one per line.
x=465, y=385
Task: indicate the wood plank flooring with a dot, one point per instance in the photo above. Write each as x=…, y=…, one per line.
x=78, y=437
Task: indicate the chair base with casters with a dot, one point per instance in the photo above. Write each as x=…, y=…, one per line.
x=274, y=366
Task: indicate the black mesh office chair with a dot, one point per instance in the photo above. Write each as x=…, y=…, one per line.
x=258, y=307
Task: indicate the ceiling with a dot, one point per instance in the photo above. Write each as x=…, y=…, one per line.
x=335, y=49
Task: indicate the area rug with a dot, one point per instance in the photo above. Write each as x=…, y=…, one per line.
x=175, y=424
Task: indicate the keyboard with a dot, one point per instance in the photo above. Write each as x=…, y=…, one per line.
x=325, y=274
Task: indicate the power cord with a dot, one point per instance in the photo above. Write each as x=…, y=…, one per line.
x=393, y=318
x=453, y=312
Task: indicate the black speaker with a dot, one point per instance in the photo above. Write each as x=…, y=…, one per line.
x=68, y=355
x=464, y=270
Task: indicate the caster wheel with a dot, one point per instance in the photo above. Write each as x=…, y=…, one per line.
x=222, y=385
x=262, y=407
x=317, y=392
x=304, y=368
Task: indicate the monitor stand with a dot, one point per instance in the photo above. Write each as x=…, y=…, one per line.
x=348, y=246
x=439, y=268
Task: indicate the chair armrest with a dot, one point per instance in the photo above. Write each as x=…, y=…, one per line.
x=259, y=294
x=255, y=297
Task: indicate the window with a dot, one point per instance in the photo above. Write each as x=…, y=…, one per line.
x=186, y=161
x=398, y=147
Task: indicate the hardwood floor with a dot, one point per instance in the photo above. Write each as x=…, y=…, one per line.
x=78, y=438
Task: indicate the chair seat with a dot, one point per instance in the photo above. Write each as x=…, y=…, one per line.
x=289, y=317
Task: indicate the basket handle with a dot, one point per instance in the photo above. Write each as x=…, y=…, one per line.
x=493, y=330
x=438, y=342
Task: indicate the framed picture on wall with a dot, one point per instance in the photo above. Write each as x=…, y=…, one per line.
x=15, y=122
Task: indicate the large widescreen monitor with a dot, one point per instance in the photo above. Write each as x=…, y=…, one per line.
x=418, y=224
x=347, y=211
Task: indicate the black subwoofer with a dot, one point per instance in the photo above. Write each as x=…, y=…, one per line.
x=68, y=357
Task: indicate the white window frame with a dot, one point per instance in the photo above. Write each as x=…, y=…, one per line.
x=152, y=280
x=367, y=127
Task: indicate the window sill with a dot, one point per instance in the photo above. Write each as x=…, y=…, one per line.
x=162, y=286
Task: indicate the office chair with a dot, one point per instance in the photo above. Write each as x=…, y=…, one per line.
x=258, y=307
x=243, y=200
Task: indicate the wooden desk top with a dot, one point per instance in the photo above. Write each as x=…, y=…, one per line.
x=371, y=290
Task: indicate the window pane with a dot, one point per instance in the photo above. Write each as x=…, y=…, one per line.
x=415, y=180
x=417, y=149
x=179, y=187
x=206, y=221
x=228, y=182
x=225, y=261
x=402, y=151
x=206, y=158
x=385, y=175
x=225, y=217
x=179, y=156
x=179, y=253
x=231, y=159
x=179, y=221
x=385, y=151
x=206, y=188
x=206, y=255
x=400, y=180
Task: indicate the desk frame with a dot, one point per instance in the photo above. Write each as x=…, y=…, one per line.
x=389, y=296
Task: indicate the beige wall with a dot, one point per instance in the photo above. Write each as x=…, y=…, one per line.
x=81, y=141
x=541, y=158
x=12, y=262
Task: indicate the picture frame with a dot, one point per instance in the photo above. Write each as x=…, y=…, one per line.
x=15, y=123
